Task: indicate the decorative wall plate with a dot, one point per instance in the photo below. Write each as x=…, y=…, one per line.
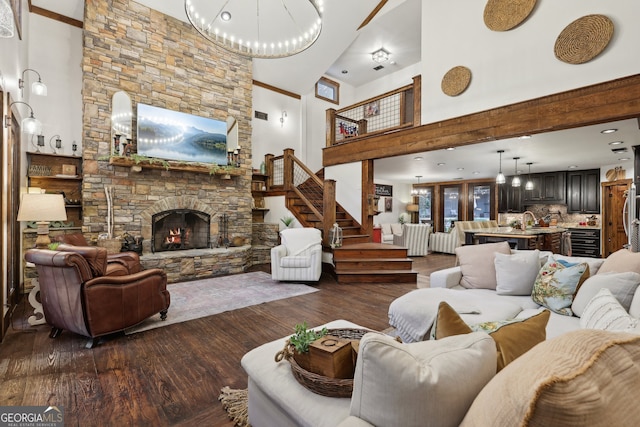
x=503, y=15
x=584, y=39
x=456, y=80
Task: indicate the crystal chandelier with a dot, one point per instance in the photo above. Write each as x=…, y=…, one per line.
x=258, y=28
x=418, y=191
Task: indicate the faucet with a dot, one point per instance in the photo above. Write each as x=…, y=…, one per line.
x=524, y=223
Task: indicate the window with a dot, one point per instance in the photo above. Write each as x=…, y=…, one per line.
x=482, y=195
x=424, y=206
x=451, y=204
x=328, y=90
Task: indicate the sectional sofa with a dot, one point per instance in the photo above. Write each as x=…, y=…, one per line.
x=579, y=372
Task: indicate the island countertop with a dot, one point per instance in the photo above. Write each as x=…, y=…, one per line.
x=510, y=231
x=544, y=238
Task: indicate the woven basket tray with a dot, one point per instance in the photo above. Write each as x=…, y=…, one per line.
x=319, y=384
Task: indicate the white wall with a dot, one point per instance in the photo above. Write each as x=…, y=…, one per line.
x=401, y=197
x=519, y=64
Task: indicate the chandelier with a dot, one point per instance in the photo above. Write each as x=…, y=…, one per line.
x=258, y=28
x=418, y=191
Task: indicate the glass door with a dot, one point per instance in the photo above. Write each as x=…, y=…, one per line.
x=451, y=204
x=481, y=207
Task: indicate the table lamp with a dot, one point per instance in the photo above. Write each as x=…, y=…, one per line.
x=42, y=208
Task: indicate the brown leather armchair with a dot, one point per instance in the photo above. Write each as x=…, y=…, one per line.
x=117, y=264
x=77, y=295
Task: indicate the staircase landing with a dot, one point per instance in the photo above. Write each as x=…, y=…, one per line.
x=373, y=263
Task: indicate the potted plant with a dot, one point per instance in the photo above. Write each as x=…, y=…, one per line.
x=287, y=221
x=301, y=340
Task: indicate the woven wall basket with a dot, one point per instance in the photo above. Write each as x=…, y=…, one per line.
x=584, y=39
x=456, y=80
x=503, y=15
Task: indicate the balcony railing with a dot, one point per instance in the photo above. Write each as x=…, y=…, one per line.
x=391, y=111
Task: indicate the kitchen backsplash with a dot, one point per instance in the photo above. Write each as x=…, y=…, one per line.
x=558, y=212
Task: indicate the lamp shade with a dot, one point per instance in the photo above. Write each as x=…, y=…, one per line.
x=412, y=207
x=42, y=207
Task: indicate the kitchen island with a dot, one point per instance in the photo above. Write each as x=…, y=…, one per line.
x=543, y=238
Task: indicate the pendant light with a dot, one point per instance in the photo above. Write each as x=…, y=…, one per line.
x=500, y=179
x=529, y=184
x=515, y=182
x=418, y=191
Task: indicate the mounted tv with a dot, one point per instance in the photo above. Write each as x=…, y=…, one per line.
x=172, y=135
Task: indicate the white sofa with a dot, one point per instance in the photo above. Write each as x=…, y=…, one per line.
x=452, y=381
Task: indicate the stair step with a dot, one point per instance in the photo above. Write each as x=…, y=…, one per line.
x=368, y=250
x=373, y=264
x=383, y=276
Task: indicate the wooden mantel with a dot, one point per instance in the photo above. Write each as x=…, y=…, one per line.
x=177, y=166
x=600, y=103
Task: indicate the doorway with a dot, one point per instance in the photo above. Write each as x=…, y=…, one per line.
x=613, y=234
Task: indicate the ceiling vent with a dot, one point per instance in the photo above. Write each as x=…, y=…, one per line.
x=619, y=150
x=378, y=67
x=260, y=115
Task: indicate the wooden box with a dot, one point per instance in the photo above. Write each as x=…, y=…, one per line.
x=332, y=357
x=68, y=169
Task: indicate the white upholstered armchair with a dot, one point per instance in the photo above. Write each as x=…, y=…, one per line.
x=415, y=237
x=299, y=257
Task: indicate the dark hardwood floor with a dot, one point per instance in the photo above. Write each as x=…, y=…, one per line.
x=172, y=376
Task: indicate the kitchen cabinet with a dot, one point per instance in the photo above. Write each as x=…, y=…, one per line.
x=585, y=242
x=58, y=174
x=583, y=191
x=509, y=197
x=549, y=187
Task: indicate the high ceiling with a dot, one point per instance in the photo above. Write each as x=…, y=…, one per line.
x=396, y=28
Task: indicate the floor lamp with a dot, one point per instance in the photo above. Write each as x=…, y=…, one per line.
x=42, y=208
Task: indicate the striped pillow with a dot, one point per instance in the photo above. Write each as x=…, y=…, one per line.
x=605, y=312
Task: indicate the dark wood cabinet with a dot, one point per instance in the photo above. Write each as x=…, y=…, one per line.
x=509, y=197
x=583, y=191
x=548, y=187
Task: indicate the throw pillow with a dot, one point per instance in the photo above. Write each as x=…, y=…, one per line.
x=477, y=266
x=435, y=380
x=622, y=286
x=513, y=337
x=516, y=273
x=583, y=377
x=622, y=260
x=557, y=283
x=605, y=312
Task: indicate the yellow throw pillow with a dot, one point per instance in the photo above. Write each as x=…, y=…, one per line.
x=513, y=337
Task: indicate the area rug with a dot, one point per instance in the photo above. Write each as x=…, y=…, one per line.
x=201, y=298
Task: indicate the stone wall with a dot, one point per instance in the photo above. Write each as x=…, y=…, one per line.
x=160, y=61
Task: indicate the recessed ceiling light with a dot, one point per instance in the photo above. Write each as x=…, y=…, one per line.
x=441, y=164
x=619, y=150
x=573, y=167
x=460, y=169
x=609, y=131
x=616, y=143
x=417, y=158
x=524, y=137
x=476, y=172
x=623, y=159
x=226, y=16
x=451, y=148
x=345, y=71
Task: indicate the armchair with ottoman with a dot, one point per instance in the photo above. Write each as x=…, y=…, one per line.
x=78, y=296
x=575, y=371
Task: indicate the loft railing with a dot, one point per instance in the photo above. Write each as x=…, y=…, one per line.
x=391, y=111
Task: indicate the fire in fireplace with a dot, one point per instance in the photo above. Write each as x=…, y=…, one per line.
x=180, y=229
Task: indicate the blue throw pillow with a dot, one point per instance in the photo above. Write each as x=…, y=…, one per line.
x=557, y=283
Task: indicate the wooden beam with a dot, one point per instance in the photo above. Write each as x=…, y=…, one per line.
x=276, y=89
x=600, y=103
x=373, y=13
x=55, y=16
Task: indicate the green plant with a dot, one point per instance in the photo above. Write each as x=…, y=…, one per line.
x=287, y=220
x=303, y=337
x=53, y=246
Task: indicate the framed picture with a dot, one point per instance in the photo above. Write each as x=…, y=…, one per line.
x=388, y=204
x=383, y=190
x=16, y=6
x=372, y=109
x=328, y=90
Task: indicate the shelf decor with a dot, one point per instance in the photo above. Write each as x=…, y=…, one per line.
x=583, y=39
x=456, y=80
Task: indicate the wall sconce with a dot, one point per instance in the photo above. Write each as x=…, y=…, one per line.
x=283, y=117
x=42, y=208
x=39, y=143
x=380, y=55
x=74, y=148
x=29, y=125
x=37, y=88
x=58, y=143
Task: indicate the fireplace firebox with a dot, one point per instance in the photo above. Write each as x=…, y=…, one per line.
x=180, y=229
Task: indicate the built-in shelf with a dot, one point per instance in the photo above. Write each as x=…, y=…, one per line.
x=177, y=166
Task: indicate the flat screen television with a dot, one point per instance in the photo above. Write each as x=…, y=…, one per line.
x=172, y=135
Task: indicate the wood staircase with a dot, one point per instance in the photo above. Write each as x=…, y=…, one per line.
x=358, y=260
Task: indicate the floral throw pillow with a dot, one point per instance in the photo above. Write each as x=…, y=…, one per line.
x=557, y=283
